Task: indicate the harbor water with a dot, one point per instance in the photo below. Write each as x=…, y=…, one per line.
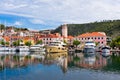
x=59, y=66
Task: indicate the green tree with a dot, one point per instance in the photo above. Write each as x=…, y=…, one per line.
x=28, y=43
x=115, y=42
x=2, y=42
x=7, y=43
x=76, y=42
x=16, y=43
x=96, y=43
x=39, y=42
x=111, y=28
x=65, y=41
x=2, y=26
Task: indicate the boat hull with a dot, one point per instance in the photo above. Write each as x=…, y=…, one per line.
x=105, y=52
x=37, y=50
x=89, y=51
x=55, y=49
x=22, y=49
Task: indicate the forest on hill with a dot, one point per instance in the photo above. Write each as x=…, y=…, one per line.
x=4, y=27
x=110, y=27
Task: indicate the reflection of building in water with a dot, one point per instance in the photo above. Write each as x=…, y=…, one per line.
x=90, y=60
x=94, y=62
x=12, y=61
x=57, y=58
x=63, y=63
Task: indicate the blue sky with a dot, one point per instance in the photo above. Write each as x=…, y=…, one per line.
x=49, y=14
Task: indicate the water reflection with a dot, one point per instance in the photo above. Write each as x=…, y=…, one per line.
x=90, y=60
x=18, y=60
x=64, y=60
x=57, y=58
x=14, y=61
x=87, y=61
x=113, y=64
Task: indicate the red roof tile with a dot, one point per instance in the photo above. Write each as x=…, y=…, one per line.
x=6, y=38
x=93, y=34
x=70, y=37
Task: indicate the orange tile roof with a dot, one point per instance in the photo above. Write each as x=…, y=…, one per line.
x=70, y=37
x=6, y=38
x=93, y=34
x=28, y=38
x=15, y=37
x=50, y=36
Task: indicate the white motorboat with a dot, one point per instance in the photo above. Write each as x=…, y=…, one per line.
x=12, y=49
x=106, y=51
x=89, y=47
x=37, y=48
x=22, y=49
x=4, y=48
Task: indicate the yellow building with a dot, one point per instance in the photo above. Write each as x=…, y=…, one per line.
x=26, y=39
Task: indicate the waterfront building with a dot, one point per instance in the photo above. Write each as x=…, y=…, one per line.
x=5, y=38
x=98, y=37
x=51, y=38
x=27, y=39
x=70, y=40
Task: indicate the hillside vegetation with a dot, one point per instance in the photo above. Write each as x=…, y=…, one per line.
x=110, y=27
x=3, y=27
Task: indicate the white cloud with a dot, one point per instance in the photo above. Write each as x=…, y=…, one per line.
x=13, y=6
x=31, y=29
x=66, y=11
x=17, y=14
x=37, y=21
x=17, y=23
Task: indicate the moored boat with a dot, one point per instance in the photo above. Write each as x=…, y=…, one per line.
x=56, y=47
x=4, y=48
x=106, y=51
x=37, y=48
x=22, y=49
x=89, y=47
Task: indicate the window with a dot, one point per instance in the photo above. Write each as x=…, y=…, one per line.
x=95, y=37
x=101, y=37
x=58, y=48
x=98, y=37
x=62, y=48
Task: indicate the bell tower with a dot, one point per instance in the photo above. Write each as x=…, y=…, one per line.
x=64, y=31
